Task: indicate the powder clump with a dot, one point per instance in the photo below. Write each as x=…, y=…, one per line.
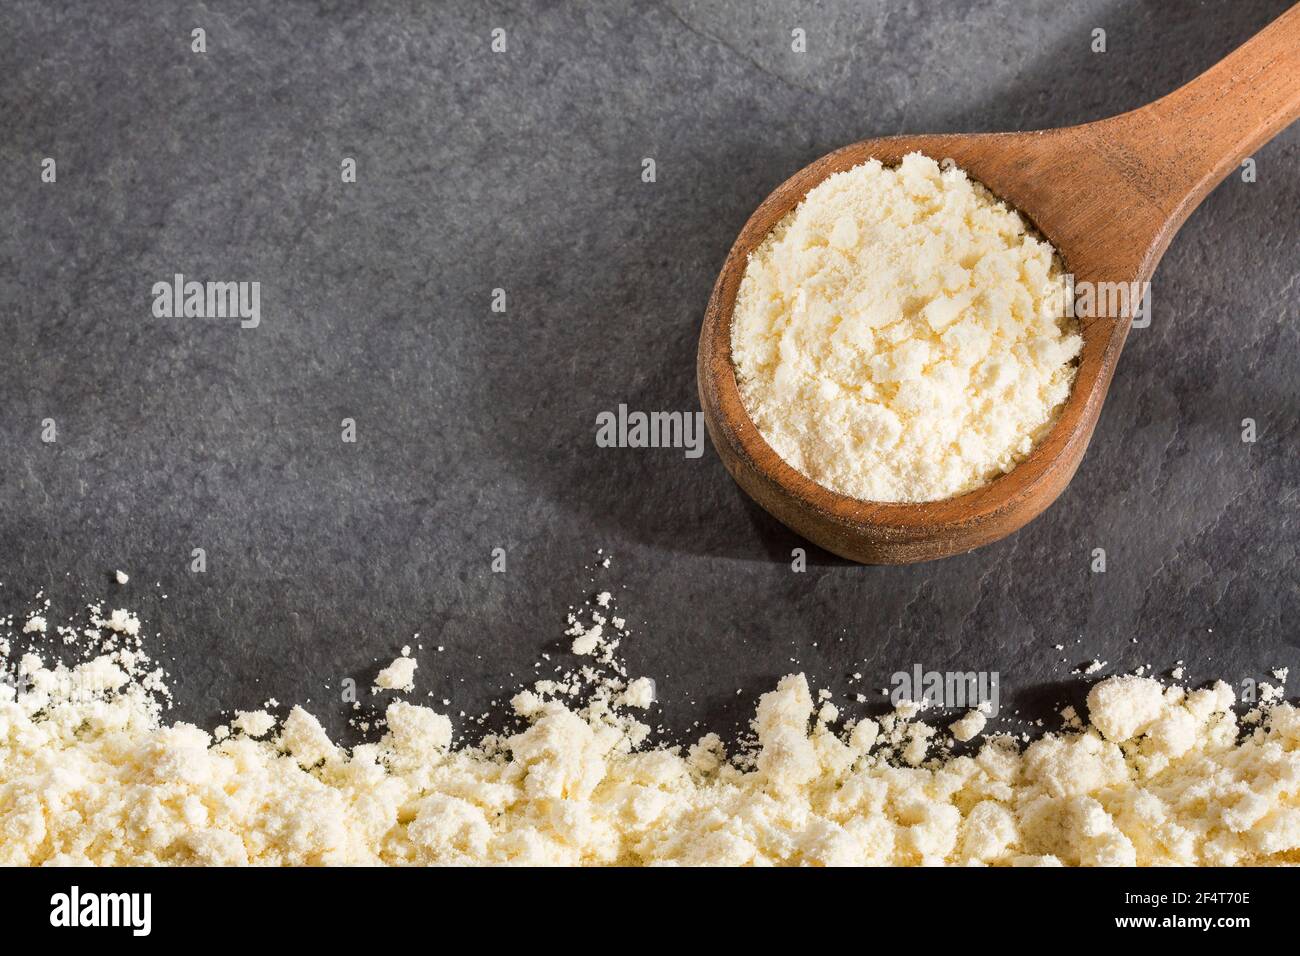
x=399, y=675
x=900, y=336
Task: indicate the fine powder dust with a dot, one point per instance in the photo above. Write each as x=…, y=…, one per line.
x=90, y=772
x=900, y=336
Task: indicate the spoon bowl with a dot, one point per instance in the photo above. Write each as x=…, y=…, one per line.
x=1108, y=195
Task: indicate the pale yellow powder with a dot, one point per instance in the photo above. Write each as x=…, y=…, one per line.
x=640, y=693
x=399, y=675
x=1160, y=777
x=900, y=335
x=968, y=726
x=254, y=723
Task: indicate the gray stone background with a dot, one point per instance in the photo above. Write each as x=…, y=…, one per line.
x=521, y=170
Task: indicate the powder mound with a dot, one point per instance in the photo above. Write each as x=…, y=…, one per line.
x=1124, y=707
x=90, y=773
x=900, y=336
x=399, y=675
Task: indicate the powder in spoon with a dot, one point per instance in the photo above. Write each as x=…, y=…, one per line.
x=900, y=336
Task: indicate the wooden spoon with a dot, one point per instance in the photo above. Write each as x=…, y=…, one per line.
x=1109, y=195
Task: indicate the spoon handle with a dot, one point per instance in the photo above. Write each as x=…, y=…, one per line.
x=1184, y=144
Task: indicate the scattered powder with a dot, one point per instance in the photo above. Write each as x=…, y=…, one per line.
x=399, y=675
x=969, y=726
x=91, y=773
x=121, y=620
x=639, y=693
x=900, y=335
x=587, y=642
x=254, y=723
x=526, y=703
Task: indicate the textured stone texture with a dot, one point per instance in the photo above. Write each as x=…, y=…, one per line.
x=521, y=170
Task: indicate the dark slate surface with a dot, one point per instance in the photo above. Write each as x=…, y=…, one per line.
x=521, y=170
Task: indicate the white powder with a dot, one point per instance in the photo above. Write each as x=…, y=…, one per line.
x=969, y=726
x=120, y=620
x=899, y=335
x=640, y=693
x=526, y=703
x=90, y=773
x=399, y=675
x=587, y=641
x=254, y=723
